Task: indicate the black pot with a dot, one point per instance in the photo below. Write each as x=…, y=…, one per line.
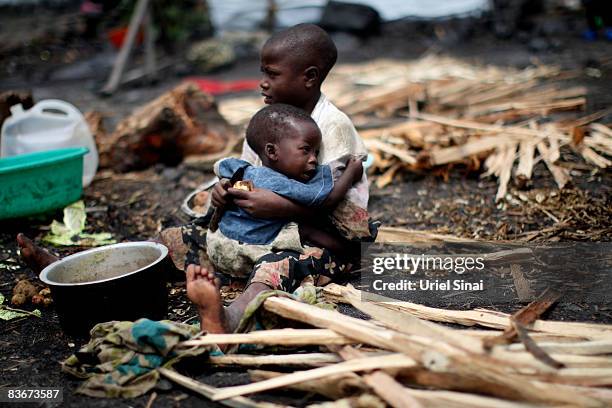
x=124, y=281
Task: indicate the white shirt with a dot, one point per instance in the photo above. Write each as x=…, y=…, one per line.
x=340, y=142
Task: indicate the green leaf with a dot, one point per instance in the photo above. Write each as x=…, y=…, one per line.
x=102, y=238
x=74, y=217
x=59, y=240
x=70, y=232
x=10, y=315
x=59, y=229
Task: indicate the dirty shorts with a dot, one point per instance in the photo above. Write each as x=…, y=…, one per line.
x=237, y=259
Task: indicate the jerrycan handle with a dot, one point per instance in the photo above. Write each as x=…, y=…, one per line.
x=55, y=106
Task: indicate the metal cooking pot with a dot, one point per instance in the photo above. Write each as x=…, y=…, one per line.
x=124, y=281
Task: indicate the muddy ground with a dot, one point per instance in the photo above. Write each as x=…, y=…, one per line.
x=136, y=206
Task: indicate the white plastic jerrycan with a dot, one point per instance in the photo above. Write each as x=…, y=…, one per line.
x=50, y=124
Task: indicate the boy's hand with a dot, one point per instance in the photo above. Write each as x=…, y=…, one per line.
x=220, y=196
x=355, y=168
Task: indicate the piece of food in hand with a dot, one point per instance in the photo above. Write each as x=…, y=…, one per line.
x=246, y=185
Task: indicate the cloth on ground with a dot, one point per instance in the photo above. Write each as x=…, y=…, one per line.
x=122, y=358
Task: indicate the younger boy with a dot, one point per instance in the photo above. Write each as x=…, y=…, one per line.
x=287, y=142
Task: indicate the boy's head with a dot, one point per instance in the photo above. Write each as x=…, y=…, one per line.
x=286, y=139
x=294, y=63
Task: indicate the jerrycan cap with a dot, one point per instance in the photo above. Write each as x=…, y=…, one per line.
x=16, y=110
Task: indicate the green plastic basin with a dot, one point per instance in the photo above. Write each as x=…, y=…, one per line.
x=38, y=182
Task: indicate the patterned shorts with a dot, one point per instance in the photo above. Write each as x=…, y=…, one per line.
x=284, y=270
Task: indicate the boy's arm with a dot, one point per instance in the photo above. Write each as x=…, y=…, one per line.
x=352, y=174
x=262, y=203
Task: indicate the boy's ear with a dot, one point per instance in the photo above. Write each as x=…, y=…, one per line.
x=312, y=75
x=271, y=151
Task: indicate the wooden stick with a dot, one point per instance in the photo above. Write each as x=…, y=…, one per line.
x=403, y=155
x=482, y=317
x=592, y=157
x=208, y=391
x=526, y=162
x=456, y=153
x=387, y=177
x=412, y=237
x=589, y=118
x=136, y=20
x=384, y=98
x=362, y=401
x=467, y=124
x=540, y=337
x=149, y=39
x=151, y=400
x=599, y=142
x=532, y=347
x=569, y=360
x=602, y=129
x=300, y=359
x=586, y=348
x=526, y=316
x=286, y=337
x=527, y=106
x=414, y=326
x=383, y=384
x=409, y=324
x=506, y=170
x=452, y=399
x=333, y=387
x=367, y=363
x=434, y=355
x=560, y=174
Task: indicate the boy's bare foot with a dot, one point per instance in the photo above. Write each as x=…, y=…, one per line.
x=34, y=256
x=203, y=291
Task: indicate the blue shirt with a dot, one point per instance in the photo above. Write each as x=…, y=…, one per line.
x=237, y=224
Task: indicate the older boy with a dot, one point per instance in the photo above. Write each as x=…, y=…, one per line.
x=294, y=64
